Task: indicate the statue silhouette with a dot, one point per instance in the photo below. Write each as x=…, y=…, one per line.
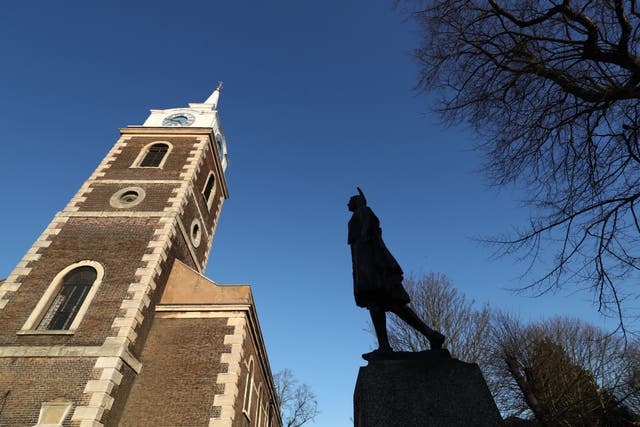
x=377, y=278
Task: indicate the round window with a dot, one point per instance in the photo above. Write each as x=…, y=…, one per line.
x=196, y=234
x=127, y=197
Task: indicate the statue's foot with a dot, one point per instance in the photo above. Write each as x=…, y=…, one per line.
x=436, y=340
x=379, y=353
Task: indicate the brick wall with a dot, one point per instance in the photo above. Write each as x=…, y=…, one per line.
x=191, y=212
x=31, y=381
x=117, y=243
x=180, y=250
x=156, y=197
x=176, y=159
x=174, y=352
x=197, y=208
x=200, y=181
x=259, y=383
x=181, y=360
x=112, y=417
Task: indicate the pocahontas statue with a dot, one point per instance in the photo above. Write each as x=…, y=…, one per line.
x=377, y=278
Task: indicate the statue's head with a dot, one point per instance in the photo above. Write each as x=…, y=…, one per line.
x=357, y=201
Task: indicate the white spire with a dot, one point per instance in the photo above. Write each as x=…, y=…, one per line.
x=213, y=99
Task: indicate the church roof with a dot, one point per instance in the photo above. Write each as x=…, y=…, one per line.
x=186, y=286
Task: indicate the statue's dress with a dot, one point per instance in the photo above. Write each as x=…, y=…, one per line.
x=377, y=276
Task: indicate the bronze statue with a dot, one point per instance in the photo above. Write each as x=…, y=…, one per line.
x=377, y=278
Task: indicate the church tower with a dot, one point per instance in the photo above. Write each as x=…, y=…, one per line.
x=107, y=320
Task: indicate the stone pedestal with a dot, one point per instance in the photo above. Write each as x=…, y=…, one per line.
x=423, y=391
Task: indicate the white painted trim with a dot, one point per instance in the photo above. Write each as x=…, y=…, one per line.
x=36, y=315
x=258, y=405
x=246, y=400
x=145, y=150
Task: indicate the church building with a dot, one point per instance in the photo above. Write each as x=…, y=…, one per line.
x=108, y=319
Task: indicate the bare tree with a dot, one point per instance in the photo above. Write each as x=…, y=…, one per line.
x=559, y=369
x=444, y=308
x=553, y=87
x=564, y=371
x=298, y=404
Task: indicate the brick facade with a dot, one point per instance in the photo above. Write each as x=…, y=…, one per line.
x=142, y=351
x=31, y=381
x=181, y=360
x=123, y=239
x=193, y=303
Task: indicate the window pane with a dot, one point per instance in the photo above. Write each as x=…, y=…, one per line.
x=81, y=276
x=155, y=155
x=73, y=296
x=75, y=287
x=207, y=188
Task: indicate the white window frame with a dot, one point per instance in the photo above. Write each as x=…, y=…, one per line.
x=258, y=405
x=143, y=153
x=30, y=326
x=246, y=399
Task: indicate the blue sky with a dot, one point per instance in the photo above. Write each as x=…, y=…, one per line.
x=317, y=100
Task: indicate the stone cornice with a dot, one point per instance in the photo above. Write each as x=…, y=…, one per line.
x=106, y=350
x=142, y=130
x=202, y=307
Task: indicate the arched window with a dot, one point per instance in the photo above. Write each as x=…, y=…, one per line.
x=208, y=189
x=66, y=300
x=154, y=156
x=247, y=389
x=259, y=405
x=76, y=284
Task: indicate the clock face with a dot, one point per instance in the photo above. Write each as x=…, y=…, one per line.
x=179, y=119
x=219, y=145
